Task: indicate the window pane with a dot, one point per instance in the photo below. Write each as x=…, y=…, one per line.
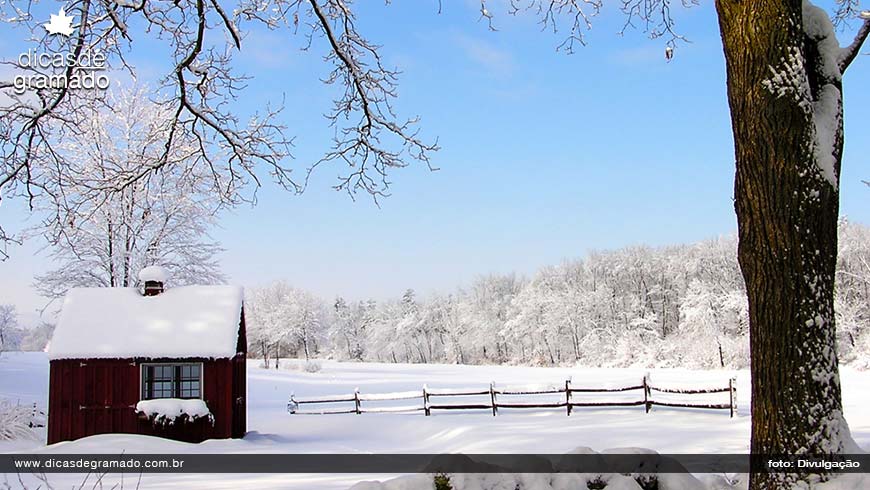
x=190, y=381
x=171, y=381
x=190, y=372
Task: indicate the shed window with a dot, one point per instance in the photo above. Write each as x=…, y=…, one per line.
x=171, y=381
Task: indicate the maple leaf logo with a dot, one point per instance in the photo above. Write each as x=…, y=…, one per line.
x=60, y=24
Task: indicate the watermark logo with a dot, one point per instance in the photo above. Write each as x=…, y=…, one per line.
x=60, y=24
x=61, y=70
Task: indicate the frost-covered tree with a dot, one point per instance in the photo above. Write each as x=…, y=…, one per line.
x=103, y=237
x=715, y=321
x=528, y=328
x=36, y=339
x=412, y=330
x=265, y=313
x=852, y=308
x=285, y=320
x=487, y=309
x=382, y=335
x=10, y=334
x=348, y=329
x=308, y=318
x=452, y=324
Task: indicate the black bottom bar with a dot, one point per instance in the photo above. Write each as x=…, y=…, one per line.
x=430, y=463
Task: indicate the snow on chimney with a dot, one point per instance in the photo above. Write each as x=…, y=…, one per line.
x=153, y=276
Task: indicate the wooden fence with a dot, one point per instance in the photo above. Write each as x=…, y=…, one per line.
x=427, y=395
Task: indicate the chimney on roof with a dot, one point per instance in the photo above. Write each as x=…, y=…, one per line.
x=153, y=276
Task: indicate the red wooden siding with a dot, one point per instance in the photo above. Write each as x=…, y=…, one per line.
x=240, y=397
x=240, y=383
x=99, y=396
x=89, y=397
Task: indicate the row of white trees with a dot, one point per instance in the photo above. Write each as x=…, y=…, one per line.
x=14, y=337
x=676, y=306
x=283, y=321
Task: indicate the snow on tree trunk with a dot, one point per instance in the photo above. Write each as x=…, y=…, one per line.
x=784, y=89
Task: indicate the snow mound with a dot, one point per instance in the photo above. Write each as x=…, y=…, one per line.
x=120, y=323
x=153, y=273
x=410, y=482
x=557, y=481
x=167, y=410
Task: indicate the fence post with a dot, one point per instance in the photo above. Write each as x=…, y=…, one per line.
x=646, y=402
x=356, y=400
x=425, y=401
x=568, y=395
x=731, y=389
x=492, y=398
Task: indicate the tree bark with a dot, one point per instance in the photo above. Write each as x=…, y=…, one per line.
x=787, y=207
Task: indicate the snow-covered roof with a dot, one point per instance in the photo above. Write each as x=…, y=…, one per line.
x=189, y=321
x=153, y=273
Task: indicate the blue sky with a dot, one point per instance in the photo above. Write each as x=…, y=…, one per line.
x=544, y=155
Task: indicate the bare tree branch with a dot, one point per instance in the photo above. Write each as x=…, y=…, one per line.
x=203, y=82
x=378, y=142
x=848, y=54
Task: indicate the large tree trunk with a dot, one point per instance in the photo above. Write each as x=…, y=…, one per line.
x=784, y=90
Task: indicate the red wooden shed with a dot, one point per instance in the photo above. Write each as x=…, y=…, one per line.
x=164, y=363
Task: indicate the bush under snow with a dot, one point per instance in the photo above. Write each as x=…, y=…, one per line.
x=311, y=366
x=15, y=421
x=169, y=410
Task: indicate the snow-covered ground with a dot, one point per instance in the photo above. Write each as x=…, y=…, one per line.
x=24, y=377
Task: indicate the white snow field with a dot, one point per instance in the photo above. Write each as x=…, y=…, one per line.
x=24, y=379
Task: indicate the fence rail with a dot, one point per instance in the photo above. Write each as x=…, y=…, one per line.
x=425, y=396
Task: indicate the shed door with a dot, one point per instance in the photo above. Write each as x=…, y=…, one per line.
x=109, y=391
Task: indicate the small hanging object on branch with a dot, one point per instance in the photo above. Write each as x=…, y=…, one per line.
x=669, y=53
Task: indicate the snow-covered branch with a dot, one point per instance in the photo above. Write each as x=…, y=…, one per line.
x=848, y=54
x=199, y=89
x=378, y=141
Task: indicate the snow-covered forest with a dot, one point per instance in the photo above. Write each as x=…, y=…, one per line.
x=674, y=306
